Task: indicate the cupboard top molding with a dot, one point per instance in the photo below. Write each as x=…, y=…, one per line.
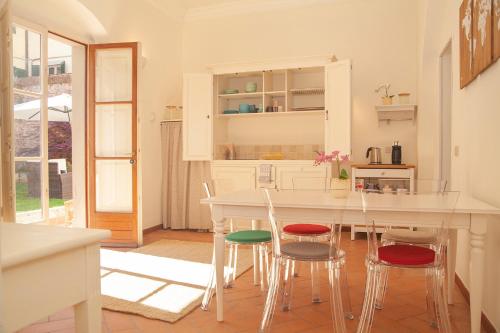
x=273, y=64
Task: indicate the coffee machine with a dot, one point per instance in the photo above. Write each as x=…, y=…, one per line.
x=396, y=153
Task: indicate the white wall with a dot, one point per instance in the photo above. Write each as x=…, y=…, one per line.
x=160, y=68
x=379, y=36
x=475, y=119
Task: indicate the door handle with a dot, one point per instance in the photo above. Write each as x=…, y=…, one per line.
x=131, y=161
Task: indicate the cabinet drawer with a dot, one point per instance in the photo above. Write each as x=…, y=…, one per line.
x=383, y=173
x=305, y=177
x=231, y=179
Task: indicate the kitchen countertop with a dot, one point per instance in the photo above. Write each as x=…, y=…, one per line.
x=383, y=166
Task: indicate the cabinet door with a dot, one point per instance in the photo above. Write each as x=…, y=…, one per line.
x=231, y=179
x=197, y=117
x=306, y=177
x=338, y=107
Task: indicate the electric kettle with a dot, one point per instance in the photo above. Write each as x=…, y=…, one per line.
x=375, y=155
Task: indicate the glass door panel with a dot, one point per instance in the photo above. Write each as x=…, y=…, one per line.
x=113, y=75
x=113, y=135
x=26, y=59
x=113, y=194
x=27, y=126
x=28, y=191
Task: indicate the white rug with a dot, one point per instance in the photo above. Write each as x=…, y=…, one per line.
x=164, y=280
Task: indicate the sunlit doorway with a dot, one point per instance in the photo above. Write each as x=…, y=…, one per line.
x=49, y=127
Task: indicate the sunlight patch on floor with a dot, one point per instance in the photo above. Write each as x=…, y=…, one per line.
x=128, y=287
x=175, y=270
x=173, y=298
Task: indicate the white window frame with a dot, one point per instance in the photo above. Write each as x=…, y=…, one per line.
x=43, y=96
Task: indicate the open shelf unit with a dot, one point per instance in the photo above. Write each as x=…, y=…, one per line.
x=290, y=91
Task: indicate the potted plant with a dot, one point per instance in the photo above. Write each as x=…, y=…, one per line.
x=386, y=98
x=340, y=182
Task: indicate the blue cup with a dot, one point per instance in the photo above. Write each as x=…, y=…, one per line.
x=245, y=108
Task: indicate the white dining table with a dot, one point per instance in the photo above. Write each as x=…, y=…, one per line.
x=317, y=207
x=45, y=269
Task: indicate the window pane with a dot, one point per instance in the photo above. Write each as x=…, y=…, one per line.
x=26, y=59
x=60, y=133
x=113, y=186
x=113, y=130
x=28, y=192
x=113, y=75
x=26, y=126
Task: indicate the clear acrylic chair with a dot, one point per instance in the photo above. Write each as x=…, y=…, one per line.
x=312, y=233
x=422, y=237
x=430, y=257
x=258, y=238
x=284, y=253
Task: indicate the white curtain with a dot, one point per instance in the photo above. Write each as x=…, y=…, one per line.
x=182, y=184
x=6, y=153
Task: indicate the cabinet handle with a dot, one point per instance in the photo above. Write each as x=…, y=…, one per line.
x=326, y=115
x=208, y=116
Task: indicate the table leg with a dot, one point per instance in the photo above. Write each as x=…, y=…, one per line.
x=476, y=269
x=451, y=261
x=88, y=313
x=218, y=218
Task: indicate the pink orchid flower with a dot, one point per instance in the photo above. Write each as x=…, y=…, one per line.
x=344, y=158
x=335, y=154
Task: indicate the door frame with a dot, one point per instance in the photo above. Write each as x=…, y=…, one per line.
x=91, y=158
x=447, y=47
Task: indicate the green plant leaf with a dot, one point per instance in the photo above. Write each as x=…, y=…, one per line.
x=343, y=174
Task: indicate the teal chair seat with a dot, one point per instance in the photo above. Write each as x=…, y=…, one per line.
x=249, y=237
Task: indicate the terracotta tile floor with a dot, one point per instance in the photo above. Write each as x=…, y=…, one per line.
x=404, y=312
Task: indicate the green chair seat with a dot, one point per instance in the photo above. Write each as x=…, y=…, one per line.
x=249, y=236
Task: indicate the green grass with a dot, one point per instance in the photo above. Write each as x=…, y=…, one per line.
x=26, y=203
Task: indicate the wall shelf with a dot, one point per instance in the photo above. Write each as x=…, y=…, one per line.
x=270, y=114
x=396, y=112
x=242, y=95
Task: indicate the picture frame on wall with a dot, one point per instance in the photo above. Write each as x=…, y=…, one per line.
x=496, y=29
x=481, y=36
x=466, y=62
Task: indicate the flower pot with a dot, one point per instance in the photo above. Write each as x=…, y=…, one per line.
x=340, y=187
x=387, y=100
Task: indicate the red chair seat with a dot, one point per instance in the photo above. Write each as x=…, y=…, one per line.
x=303, y=229
x=407, y=255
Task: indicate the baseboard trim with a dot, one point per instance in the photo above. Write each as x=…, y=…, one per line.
x=151, y=229
x=486, y=324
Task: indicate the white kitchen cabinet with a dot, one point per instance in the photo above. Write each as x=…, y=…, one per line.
x=338, y=107
x=197, y=117
x=228, y=179
x=302, y=177
x=310, y=100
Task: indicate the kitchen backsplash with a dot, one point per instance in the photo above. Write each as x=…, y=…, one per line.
x=258, y=152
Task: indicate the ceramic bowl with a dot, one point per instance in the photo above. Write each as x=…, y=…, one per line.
x=251, y=87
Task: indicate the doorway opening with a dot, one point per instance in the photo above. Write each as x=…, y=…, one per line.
x=446, y=91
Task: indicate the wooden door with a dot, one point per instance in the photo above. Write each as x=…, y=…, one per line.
x=112, y=149
x=197, y=117
x=338, y=107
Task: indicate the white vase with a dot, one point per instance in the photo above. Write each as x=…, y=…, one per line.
x=341, y=187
